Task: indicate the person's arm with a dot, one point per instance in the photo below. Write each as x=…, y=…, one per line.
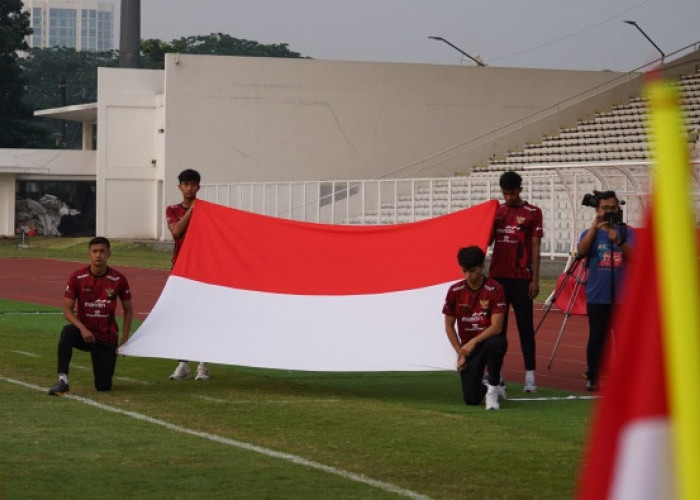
x=493, y=329
x=69, y=314
x=126, y=324
x=534, y=288
x=584, y=246
x=454, y=340
x=177, y=229
x=625, y=245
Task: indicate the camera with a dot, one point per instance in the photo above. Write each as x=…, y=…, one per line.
x=613, y=218
x=591, y=199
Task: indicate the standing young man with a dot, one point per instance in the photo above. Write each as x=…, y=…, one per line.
x=476, y=305
x=178, y=218
x=515, y=264
x=608, y=244
x=93, y=328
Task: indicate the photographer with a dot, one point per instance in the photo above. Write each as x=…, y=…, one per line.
x=608, y=245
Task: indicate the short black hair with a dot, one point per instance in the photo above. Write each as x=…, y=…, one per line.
x=189, y=175
x=99, y=240
x=510, y=180
x=469, y=257
x=605, y=195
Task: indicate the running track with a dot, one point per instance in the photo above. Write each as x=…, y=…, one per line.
x=41, y=281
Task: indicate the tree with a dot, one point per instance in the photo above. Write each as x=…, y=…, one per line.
x=16, y=127
x=153, y=50
x=46, y=68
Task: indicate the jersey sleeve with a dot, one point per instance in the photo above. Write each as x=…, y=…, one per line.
x=72, y=287
x=499, y=299
x=124, y=289
x=449, y=308
x=171, y=215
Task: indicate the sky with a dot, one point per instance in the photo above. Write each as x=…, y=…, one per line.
x=553, y=34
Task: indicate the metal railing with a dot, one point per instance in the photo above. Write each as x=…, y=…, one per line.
x=557, y=190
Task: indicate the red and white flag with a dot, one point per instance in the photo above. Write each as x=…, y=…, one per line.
x=259, y=291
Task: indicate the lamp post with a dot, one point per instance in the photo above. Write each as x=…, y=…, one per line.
x=647, y=37
x=457, y=48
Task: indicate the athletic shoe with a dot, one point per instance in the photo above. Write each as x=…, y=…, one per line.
x=202, y=372
x=60, y=388
x=529, y=383
x=501, y=389
x=591, y=385
x=182, y=371
x=492, y=398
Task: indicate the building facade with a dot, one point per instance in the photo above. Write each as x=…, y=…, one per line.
x=79, y=24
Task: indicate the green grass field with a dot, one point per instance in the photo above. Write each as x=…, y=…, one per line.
x=252, y=433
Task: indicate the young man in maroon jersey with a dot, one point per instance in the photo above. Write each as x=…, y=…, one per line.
x=90, y=305
x=178, y=218
x=515, y=264
x=477, y=305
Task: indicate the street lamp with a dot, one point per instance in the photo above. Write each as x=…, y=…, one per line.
x=457, y=48
x=647, y=37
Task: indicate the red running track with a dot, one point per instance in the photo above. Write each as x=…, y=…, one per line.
x=41, y=281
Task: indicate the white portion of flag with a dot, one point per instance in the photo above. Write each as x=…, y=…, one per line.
x=398, y=331
x=644, y=463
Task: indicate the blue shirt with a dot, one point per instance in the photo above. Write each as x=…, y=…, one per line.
x=604, y=263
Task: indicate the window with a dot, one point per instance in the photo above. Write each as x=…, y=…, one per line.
x=62, y=28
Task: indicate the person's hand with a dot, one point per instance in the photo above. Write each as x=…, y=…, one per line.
x=614, y=235
x=461, y=362
x=87, y=335
x=533, y=290
x=599, y=223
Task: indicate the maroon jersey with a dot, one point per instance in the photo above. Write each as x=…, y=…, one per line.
x=174, y=213
x=514, y=228
x=96, y=300
x=474, y=308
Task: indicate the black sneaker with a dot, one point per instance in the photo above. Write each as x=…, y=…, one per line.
x=60, y=388
x=591, y=385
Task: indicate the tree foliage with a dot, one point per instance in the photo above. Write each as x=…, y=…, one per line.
x=43, y=70
x=153, y=50
x=16, y=127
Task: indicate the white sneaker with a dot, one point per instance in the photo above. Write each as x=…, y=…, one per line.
x=202, y=372
x=501, y=390
x=182, y=371
x=529, y=382
x=492, y=398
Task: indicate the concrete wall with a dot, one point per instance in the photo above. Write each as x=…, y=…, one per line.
x=265, y=119
x=257, y=119
x=7, y=204
x=130, y=153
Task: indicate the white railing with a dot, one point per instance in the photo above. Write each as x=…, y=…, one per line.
x=557, y=190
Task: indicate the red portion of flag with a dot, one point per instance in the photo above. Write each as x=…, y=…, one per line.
x=571, y=289
x=233, y=248
x=635, y=386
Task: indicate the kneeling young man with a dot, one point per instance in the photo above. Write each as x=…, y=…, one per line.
x=477, y=306
x=90, y=305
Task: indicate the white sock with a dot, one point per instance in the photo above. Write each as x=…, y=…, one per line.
x=530, y=373
x=63, y=376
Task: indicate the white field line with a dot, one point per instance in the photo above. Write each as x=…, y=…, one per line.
x=266, y=401
x=27, y=313
x=25, y=353
x=360, y=478
x=564, y=398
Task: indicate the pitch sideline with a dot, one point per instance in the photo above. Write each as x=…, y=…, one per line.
x=360, y=478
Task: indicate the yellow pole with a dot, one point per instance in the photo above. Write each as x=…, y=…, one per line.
x=677, y=272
